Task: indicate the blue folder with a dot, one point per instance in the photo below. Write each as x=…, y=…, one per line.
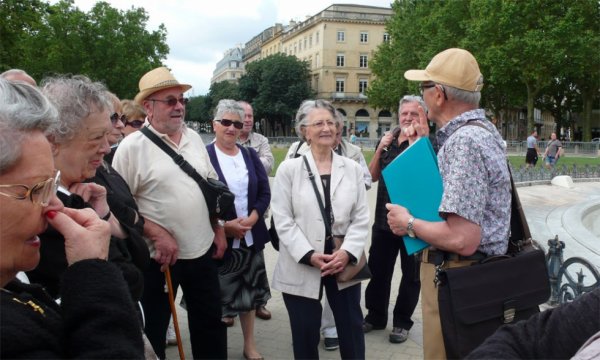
x=413, y=181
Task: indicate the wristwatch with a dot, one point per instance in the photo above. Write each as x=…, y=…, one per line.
x=221, y=222
x=410, y=228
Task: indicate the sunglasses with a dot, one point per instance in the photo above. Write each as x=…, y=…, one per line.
x=173, y=101
x=114, y=118
x=40, y=193
x=227, y=123
x=136, y=124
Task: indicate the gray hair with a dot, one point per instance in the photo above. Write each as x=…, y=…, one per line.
x=228, y=106
x=23, y=110
x=75, y=98
x=468, y=97
x=306, y=107
x=339, y=118
x=411, y=98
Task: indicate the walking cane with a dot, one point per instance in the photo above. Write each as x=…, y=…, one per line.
x=174, y=313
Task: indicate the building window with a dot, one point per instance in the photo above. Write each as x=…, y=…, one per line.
x=341, y=36
x=340, y=85
x=310, y=42
x=299, y=45
x=363, y=61
x=340, y=60
x=305, y=44
x=386, y=37
x=317, y=60
x=362, y=85
x=317, y=38
x=364, y=37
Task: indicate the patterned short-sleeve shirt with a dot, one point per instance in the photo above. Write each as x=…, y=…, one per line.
x=476, y=180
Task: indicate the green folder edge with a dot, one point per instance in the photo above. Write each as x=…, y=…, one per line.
x=421, y=153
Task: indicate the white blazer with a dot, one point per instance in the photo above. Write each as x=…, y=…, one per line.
x=300, y=224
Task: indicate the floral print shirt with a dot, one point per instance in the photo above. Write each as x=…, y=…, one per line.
x=476, y=180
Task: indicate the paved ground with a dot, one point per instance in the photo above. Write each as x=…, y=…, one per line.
x=550, y=210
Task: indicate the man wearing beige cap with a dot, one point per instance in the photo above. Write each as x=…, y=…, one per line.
x=476, y=200
x=177, y=228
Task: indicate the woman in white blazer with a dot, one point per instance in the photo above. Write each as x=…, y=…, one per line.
x=307, y=263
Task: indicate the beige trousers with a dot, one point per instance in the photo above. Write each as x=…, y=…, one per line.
x=433, y=341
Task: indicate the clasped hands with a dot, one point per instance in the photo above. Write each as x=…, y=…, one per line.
x=330, y=264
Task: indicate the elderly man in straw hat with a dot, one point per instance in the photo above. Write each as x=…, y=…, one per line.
x=178, y=230
x=476, y=200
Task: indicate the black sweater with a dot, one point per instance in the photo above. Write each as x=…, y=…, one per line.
x=553, y=334
x=96, y=318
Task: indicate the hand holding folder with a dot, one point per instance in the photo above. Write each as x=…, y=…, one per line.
x=413, y=181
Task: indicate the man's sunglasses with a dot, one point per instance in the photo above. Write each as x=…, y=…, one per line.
x=172, y=101
x=115, y=117
x=136, y=124
x=227, y=123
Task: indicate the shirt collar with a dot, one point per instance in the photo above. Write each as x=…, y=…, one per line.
x=444, y=133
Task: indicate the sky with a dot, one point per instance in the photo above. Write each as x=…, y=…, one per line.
x=200, y=31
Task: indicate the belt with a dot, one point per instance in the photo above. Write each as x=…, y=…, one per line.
x=437, y=257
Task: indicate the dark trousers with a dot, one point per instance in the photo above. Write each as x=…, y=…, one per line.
x=382, y=260
x=200, y=284
x=305, y=321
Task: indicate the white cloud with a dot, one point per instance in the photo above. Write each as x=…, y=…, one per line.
x=199, y=32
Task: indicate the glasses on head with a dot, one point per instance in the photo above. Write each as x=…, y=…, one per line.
x=173, y=101
x=227, y=123
x=136, y=124
x=40, y=193
x=321, y=124
x=115, y=117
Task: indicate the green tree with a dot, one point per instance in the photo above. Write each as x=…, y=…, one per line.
x=218, y=91
x=276, y=86
x=20, y=20
x=104, y=44
x=418, y=30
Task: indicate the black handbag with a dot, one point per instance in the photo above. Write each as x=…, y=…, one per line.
x=352, y=272
x=474, y=301
x=216, y=194
x=273, y=235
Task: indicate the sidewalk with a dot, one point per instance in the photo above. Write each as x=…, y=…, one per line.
x=547, y=207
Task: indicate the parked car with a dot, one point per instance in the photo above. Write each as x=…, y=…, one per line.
x=595, y=140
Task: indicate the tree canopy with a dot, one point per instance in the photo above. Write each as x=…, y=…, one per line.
x=276, y=86
x=105, y=44
x=531, y=52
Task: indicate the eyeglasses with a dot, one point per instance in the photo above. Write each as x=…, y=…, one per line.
x=424, y=87
x=172, y=101
x=115, y=117
x=321, y=124
x=40, y=193
x=136, y=124
x=227, y=123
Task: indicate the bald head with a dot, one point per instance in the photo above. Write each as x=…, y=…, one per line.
x=18, y=75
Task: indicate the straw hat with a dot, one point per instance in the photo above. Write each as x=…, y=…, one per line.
x=155, y=80
x=453, y=67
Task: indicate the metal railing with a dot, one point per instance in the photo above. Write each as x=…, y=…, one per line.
x=577, y=148
x=568, y=278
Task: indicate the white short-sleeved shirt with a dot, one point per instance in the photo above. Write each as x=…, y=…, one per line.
x=164, y=193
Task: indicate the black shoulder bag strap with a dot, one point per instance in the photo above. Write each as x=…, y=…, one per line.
x=520, y=234
x=311, y=176
x=177, y=158
x=298, y=148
